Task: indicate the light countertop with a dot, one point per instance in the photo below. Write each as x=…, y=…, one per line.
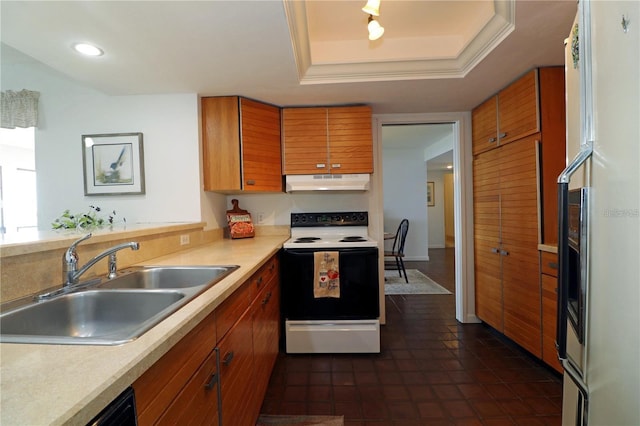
x=70, y=384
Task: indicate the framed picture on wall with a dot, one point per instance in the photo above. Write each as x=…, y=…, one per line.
x=431, y=195
x=113, y=164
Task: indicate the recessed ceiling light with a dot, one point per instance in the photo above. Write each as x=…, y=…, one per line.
x=88, y=49
x=449, y=166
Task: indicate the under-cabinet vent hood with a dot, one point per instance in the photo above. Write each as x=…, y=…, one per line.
x=327, y=182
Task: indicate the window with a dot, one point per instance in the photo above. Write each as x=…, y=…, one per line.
x=18, y=195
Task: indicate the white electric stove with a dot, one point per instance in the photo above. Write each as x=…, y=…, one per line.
x=345, y=324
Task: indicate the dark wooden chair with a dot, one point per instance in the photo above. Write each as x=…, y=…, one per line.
x=397, y=251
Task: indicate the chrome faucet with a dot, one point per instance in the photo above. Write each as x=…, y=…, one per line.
x=71, y=273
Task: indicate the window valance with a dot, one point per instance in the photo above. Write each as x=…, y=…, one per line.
x=19, y=109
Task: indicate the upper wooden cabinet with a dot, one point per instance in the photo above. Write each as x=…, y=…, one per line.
x=508, y=116
x=327, y=140
x=533, y=104
x=240, y=145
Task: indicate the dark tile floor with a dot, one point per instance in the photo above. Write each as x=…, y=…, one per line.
x=432, y=371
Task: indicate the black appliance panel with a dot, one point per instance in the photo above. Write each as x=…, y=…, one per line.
x=359, y=286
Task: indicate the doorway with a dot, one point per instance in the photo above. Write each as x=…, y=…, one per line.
x=463, y=213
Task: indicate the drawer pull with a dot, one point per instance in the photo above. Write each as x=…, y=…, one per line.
x=553, y=265
x=336, y=166
x=502, y=135
x=227, y=358
x=495, y=250
x=504, y=253
x=320, y=166
x=212, y=382
x=267, y=298
x=259, y=281
x=492, y=140
x=251, y=182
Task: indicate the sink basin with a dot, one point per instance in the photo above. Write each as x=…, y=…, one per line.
x=89, y=317
x=109, y=312
x=165, y=277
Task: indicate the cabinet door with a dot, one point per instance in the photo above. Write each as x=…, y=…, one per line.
x=519, y=229
x=552, y=122
x=518, y=109
x=486, y=215
x=160, y=384
x=236, y=374
x=305, y=144
x=350, y=140
x=197, y=403
x=221, y=143
x=549, y=278
x=266, y=335
x=484, y=126
x=261, y=153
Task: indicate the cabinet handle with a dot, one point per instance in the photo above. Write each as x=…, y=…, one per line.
x=272, y=266
x=251, y=182
x=336, y=166
x=212, y=382
x=553, y=265
x=227, y=358
x=502, y=135
x=259, y=281
x=320, y=166
x=495, y=250
x=504, y=253
x=492, y=140
x=267, y=298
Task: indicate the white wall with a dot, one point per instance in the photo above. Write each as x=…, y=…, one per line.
x=68, y=110
x=405, y=196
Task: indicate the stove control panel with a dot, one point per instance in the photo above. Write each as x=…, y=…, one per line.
x=299, y=220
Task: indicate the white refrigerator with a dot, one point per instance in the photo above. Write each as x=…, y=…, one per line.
x=599, y=192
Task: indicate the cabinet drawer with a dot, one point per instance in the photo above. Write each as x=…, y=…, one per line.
x=263, y=277
x=159, y=385
x=549, y=263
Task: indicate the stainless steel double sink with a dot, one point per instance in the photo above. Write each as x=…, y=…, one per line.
x=109, y=311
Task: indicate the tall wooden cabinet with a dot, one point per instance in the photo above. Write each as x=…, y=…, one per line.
x=518, y=140
x=506, y=241
x=240, y=145
x=327, y=140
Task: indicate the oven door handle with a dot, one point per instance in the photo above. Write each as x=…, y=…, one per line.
x=563, y=247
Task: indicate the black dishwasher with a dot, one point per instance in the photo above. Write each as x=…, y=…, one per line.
x=121, y=412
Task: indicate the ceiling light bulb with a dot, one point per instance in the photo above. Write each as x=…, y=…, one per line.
x=372, y=7
x=88, y=49
x=375, y=30
x=449, y=166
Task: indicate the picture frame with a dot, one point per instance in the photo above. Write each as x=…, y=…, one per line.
x=113, y=164
x=431, y=194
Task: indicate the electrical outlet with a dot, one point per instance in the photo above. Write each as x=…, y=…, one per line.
x=184, y=240
x=260, y=218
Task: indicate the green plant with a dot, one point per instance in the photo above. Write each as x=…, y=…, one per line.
x=89, y=220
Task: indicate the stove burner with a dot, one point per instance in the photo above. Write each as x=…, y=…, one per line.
x=352, y=239
x=306, y=239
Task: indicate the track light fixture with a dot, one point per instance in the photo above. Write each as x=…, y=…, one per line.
x=375, y=29
x=373, y=9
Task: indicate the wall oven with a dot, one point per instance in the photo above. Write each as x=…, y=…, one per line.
x=330, y=284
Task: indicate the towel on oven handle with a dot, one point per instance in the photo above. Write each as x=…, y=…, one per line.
x=326, y=273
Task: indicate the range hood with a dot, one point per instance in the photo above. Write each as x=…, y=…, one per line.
x=327, y=182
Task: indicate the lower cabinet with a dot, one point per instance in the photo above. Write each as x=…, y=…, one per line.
x=218, y=373
x=549, y=281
